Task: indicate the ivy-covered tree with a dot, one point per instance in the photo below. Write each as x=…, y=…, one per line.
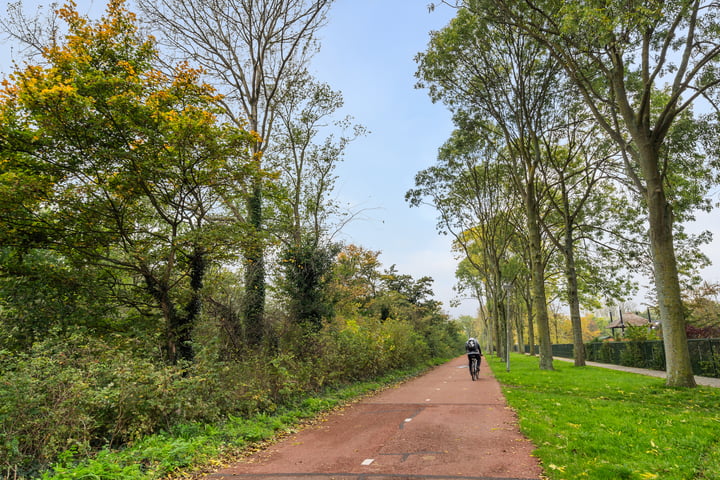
x=252, y=51
x=306, y=156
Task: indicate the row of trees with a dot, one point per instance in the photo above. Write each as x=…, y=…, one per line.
x=167, y=247
x=577, y=153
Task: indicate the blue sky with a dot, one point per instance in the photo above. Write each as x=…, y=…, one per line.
x=368, y=49
x=367, y=53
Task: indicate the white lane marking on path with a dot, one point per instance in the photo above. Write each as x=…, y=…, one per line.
x=367, y=461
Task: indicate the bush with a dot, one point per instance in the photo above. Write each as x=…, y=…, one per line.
x=350, y=351
x=632, y=355
x=45, y=409
x=402, y=346
x=91, y=394
x=639, y=333
x=606, y=354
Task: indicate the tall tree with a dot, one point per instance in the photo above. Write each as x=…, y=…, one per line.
x=252, y=49
x=497, y=74
x=309, y=216
x=469, y=189
x=356, y=279
x=620, y=54
x=131, y=162
x=578, y=167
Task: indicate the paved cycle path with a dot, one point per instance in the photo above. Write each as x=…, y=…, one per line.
x=439, y=426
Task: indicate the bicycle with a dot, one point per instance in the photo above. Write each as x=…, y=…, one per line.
x=474, y=368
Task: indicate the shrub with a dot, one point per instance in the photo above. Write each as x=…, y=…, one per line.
x=44, y=409
x=606, y=353
x=402, y=346
x=631, y=355
x=90, y=394
x=635, y=333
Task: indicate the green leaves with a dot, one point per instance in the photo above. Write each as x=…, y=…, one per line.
x=132, y=169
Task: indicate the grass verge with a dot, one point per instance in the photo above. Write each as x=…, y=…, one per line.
x=595, y=423
x=189, y=450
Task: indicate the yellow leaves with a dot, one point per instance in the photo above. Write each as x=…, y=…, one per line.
x=116, y=8
x=125, y=65
x=555, y=467
x=654, y=450
x=69, y=13
x=352, y=325
x=137, y=143
x=8, y=92
x=648, y=475
x=156, y=77
x=255, y=136
x=169, y=115
x=59, y=90
x=187, y=76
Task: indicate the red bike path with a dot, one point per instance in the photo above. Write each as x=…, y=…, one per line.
x=438, y=426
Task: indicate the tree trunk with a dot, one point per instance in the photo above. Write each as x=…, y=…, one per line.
x=520, y=333
x=499, y=330
x=485, y=321
x=677, y=356
x=531, y=324
x=176, y=332
x=254, y=299
x=511, y=327
x=573, y=299
x=538, y=277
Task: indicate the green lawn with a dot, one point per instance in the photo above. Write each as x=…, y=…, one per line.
x=595, y=423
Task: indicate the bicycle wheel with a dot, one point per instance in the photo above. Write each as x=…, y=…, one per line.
x=473, y=368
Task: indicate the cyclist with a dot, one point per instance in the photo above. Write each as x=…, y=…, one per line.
x=472, y=347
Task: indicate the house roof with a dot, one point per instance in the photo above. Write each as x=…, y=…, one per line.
x=629, y=319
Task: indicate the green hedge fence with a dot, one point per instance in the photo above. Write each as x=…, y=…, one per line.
x=704, y=354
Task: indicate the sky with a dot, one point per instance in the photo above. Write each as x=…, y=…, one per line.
x=367, y=52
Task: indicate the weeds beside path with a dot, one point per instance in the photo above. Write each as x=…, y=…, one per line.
x=594, y=423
